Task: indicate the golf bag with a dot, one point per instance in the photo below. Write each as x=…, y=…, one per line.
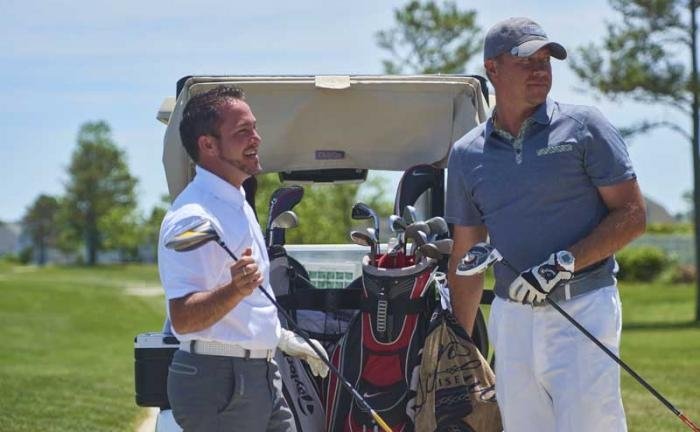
x=456, y=386
x=299, y=387
x=379, y=351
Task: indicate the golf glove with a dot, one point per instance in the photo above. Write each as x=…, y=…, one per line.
x=534, y=284
x=294, y=345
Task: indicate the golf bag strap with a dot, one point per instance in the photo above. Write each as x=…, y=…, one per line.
x=326, y=300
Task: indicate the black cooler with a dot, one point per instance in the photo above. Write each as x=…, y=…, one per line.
x=153, y=353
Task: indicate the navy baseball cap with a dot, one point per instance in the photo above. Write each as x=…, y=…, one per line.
x=520, y=37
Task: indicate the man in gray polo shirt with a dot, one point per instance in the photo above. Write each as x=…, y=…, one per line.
x=552, y=187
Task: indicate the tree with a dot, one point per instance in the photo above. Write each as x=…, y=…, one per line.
x=429, y=39
x=40, y=223
x=100, y=198
x=650, y=56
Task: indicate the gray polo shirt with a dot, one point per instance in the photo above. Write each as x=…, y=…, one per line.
x=537, y=193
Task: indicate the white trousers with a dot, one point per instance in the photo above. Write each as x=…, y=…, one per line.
x=549, y=376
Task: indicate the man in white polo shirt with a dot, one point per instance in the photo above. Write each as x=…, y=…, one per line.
x=223, y=377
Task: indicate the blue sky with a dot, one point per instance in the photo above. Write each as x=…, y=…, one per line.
x=66, y=62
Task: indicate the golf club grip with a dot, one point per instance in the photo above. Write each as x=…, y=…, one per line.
x=358, y=397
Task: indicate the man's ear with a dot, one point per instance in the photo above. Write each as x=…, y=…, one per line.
x=206, y=144
x=490, y=66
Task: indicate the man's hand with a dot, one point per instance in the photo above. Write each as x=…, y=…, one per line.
x=245, y=274
x=295, y=346
x=533, y=285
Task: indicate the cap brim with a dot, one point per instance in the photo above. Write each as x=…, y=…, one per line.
x=526, y=49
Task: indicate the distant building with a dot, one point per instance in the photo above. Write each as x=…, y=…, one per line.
x=656, y=213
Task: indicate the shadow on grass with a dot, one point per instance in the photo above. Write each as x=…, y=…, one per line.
x=676, y=325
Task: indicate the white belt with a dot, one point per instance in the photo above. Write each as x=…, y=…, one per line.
x=224, y=349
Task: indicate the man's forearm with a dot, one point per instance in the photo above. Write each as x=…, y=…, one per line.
x=615, y=231
x=200, y=310
x=465, y=298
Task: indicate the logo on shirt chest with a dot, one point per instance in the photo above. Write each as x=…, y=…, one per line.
x=559, y=148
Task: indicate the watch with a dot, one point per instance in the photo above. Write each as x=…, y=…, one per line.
x=566, y=260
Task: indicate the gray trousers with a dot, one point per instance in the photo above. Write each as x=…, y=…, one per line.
x=215, y=393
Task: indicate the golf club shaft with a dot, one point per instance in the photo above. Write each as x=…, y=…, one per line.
x=617, y=359
x=358, y=397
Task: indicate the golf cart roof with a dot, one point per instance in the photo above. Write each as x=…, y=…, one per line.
x=339, y=123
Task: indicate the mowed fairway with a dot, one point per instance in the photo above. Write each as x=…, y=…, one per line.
x=66, y=362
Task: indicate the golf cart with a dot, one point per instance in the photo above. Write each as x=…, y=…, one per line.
x=332, y=129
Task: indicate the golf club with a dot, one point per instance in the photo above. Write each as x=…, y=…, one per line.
x=438, y=227
x=365, y=239
x=409, y=214
x=199, y=234
x=282, y=199
x=482, y=255
x=285, y=220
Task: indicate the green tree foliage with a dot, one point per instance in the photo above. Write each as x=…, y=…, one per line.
x=643, y=57
x=430, y=38
x=40, y=223
x=324, y=212
x=100, y=200
x=151, y=225
x=650, y=56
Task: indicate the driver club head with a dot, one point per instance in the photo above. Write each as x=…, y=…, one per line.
x=194, y=235
x=478, y=259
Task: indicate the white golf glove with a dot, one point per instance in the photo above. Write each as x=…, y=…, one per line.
x=294, y=345
x=534, y=284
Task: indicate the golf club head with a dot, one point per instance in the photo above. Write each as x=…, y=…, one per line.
x=413, y=229
x=438, y=226
x=431, y=251
x=478, y=259
x=361, y=238
x=362, y=211
x=444, y=246
x=397, y=224
x=409, y=214
x=281, y=200
x=193, y=235
x=285, y=220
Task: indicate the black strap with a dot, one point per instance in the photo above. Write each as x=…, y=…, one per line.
x=326, y=300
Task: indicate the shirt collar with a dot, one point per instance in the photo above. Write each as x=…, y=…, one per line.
x=218, y=186
x=542, y=115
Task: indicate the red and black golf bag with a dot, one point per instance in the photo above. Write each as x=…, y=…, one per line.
x=379, y=352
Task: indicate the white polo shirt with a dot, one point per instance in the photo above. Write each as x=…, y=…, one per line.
x=253, y=323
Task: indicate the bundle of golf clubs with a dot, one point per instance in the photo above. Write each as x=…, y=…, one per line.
x=483, y=255
x=427, y=238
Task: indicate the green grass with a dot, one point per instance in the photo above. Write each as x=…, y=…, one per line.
x=66, y=362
